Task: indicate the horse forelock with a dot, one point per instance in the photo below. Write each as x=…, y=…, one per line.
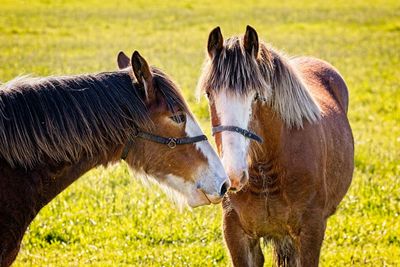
x=270, y=74
x=234, y=70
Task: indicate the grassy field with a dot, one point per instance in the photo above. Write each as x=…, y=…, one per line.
x=108, y=218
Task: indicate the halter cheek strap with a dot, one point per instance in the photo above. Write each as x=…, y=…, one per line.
x=171, y=142
x=127, y=147
x=244, y=132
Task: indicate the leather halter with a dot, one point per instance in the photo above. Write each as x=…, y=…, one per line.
x=244, y=132
x=171, y=142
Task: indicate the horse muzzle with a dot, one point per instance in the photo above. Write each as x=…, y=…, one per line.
x=201, y=197
x=238, y=179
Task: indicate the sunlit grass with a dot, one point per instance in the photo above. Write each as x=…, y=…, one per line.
x=108, y=218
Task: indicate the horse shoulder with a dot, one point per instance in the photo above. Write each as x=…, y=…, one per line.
x=17, y=209
x=303, y=161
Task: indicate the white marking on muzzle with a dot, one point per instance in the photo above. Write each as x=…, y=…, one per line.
x=212, y=177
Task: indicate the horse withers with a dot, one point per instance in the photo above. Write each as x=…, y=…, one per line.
x=54, y=129
x=282, y=132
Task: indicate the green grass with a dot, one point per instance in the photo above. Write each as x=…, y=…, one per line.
x=109, y=218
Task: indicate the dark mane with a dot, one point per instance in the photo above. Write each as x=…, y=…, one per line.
x=169, y=90
x=60, y=118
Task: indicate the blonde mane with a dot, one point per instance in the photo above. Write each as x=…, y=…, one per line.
x=271, y=75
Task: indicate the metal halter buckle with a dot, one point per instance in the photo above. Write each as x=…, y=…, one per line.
x=136, y=132
x=171, y=143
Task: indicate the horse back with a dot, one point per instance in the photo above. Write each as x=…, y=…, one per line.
x=324, y=73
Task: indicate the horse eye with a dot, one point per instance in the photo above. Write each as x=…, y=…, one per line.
x=178, y=118
x=256, y=97
x=208, y=95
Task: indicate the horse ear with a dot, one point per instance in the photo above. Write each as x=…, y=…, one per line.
x=250, y=41
x=215, y=42
x=143, y=75
x=123, y=60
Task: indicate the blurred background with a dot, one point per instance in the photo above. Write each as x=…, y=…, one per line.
x=109, y=218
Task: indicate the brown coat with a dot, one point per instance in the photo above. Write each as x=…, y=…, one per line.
x=289, y=185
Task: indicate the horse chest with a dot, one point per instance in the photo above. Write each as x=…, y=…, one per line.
x=260, y=215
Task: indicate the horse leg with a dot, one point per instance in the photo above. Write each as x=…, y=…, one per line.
x=284, y=252
x=244, y=250
x=310, y=240
x=7, y=256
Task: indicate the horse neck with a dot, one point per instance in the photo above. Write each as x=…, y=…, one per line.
x=23, y=192
x=269, y=126
x=56, y=177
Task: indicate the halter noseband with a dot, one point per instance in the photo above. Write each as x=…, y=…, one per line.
x=244, y=132
x=171, y=142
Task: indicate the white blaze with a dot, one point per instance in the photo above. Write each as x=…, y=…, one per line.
x=234, y=110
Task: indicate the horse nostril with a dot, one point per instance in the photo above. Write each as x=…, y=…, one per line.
x=233, y=189
x=224, y=189
x=244, y=178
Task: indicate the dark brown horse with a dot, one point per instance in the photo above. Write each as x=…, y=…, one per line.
x=52, y=130
x=282, y=132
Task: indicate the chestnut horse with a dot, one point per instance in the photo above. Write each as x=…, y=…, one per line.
x=53, y=130
x=282, y=132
